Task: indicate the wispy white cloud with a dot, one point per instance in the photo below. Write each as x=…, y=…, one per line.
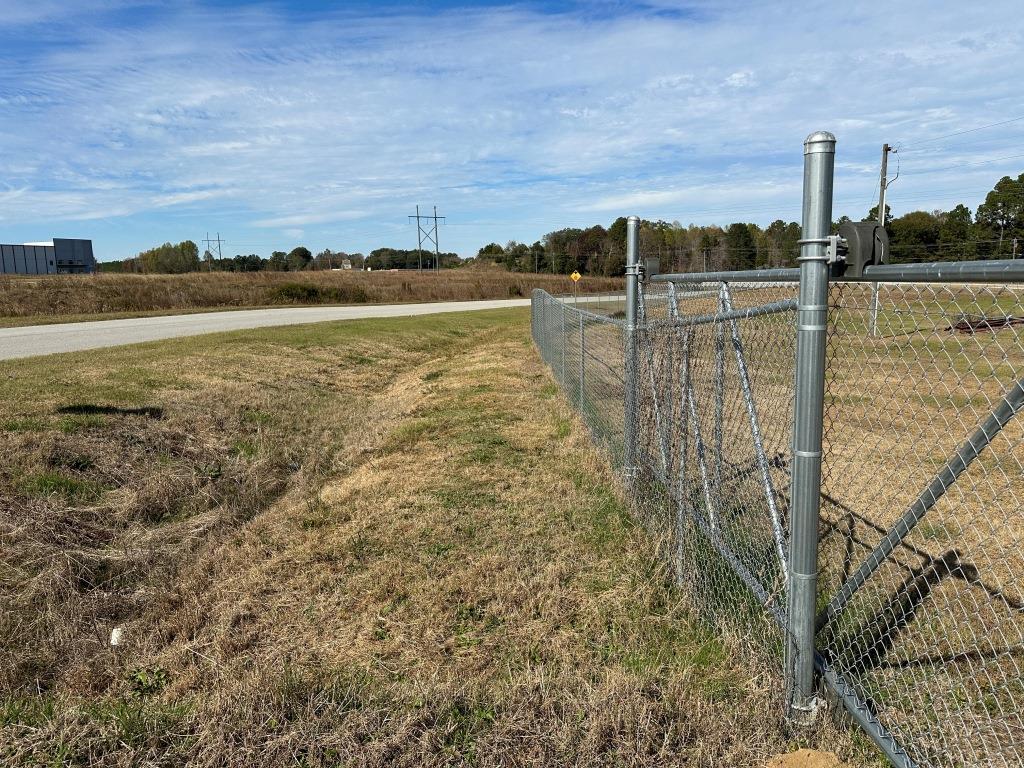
x=337, y=123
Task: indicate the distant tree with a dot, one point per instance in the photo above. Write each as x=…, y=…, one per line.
x=514, y=256
x=873, y=214
x=956, y=234
x=491, y=252
x=742, y=251
x=1001, y=216
x=299, y=259
x=170, y=259
x=782, y=240
x=914, y=236
x=278, y=261
x=392, y=258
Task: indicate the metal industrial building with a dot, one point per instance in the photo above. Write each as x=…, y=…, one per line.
x=60, y=256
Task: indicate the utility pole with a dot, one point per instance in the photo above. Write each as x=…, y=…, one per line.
x=427, y=232
x=883, y=185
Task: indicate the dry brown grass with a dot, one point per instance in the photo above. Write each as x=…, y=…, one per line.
x=64, y=297
x=447, y=577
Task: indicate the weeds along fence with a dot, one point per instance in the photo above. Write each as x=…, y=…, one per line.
x=833, y=459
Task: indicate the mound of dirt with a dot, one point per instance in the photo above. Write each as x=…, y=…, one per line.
x=806, y=758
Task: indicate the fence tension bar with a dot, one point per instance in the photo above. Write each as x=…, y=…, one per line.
x=1010, y=404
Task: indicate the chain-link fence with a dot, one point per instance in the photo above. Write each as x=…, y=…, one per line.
x=584, y=350
x=711, y=419
x=832, y=457
x=929, y=643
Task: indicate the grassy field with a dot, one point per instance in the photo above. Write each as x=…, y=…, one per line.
x=63, y=298
x=361, y=543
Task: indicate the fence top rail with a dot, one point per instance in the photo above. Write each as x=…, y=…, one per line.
x=587, y=314
x=781, y=275
x=976, y=271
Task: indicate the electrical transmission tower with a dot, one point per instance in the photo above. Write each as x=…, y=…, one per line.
x=427, y=232
x=209, y=245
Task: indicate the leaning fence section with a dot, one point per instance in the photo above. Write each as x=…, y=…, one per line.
x=702, y=439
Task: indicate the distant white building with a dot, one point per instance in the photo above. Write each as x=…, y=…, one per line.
x=346, y=264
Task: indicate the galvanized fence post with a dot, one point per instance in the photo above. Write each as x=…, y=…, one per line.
x=808, y=410
x=630, y=378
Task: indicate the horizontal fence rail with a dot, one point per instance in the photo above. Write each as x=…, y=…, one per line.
x=835, y=469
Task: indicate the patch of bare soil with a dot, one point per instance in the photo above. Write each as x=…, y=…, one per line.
x=806, y=758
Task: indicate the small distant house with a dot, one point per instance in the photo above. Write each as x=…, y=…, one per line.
x=346, y=264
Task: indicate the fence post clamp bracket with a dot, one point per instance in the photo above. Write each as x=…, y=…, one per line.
x=836, y=251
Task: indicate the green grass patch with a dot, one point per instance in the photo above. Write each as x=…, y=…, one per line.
x=80, y=423
x=30, y=424
x=408, y=434
x=44, y=484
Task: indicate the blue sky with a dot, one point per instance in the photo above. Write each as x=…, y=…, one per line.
x=326, y=123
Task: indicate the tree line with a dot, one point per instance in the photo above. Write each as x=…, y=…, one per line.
x=994, y=230
x=184, y=257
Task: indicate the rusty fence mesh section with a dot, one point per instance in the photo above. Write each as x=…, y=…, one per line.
x=932, y=640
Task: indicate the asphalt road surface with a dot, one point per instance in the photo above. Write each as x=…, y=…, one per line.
x=32, y=340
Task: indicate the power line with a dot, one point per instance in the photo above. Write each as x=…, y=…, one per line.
x=964, y=165
x=968, y=130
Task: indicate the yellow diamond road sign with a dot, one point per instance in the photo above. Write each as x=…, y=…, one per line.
x=575, y=276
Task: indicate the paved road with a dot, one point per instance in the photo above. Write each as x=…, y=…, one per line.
x=32, y=340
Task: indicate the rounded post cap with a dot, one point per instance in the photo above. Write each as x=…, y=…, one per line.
x=632, y=218
x=819, y=141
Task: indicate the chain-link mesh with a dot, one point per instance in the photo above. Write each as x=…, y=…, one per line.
x=924, y=458
x=710, y=419
x=713, y=426
x=584, y=350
